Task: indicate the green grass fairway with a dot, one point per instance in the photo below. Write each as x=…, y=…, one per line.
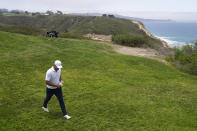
x=103, y=90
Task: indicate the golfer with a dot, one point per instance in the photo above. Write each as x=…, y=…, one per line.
x=54, y=83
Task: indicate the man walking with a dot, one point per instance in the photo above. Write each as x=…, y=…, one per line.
x=54, y=83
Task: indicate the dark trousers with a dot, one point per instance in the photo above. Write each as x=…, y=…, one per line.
x=58, y=94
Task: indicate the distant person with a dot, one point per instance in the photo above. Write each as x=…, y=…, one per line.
x=54, y=83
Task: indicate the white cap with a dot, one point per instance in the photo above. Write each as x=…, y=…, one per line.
x=58, y=64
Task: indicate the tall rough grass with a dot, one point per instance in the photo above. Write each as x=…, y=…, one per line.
x=37, y=32
x=22, y=30
x=130, y=40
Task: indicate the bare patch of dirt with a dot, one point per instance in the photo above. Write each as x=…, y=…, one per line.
x=141, y=52
x=104, y=38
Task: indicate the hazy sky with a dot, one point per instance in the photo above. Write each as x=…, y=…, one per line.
x=163, y=9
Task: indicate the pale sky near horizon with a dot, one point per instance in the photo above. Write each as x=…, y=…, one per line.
x=156, y=9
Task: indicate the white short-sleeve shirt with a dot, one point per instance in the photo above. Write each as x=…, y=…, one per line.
x=53, y=76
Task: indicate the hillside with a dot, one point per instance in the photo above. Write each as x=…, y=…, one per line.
x=82, y=25
x=103, y=90
x=74, y=24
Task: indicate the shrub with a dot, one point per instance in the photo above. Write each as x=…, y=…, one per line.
x=185, y=58
x=178, y=54
x=130, y=40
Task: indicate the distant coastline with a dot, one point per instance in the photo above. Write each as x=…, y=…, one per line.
x=174, y=33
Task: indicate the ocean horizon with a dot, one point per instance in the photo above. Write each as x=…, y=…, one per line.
x=174, y=33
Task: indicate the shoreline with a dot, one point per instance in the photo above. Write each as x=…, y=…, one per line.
x=173, y=43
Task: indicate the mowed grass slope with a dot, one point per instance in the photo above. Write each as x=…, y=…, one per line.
x=103, y=90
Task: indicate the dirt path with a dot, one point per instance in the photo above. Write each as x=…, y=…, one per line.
x=141, y=52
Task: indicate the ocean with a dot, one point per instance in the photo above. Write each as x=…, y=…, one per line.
x=174, y=33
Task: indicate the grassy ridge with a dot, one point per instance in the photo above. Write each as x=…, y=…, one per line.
x=103, y=90
x=106, y=26
x=74, y=24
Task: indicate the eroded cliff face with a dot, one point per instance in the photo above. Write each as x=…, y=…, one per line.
x=141, y=26
x=162, y=47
